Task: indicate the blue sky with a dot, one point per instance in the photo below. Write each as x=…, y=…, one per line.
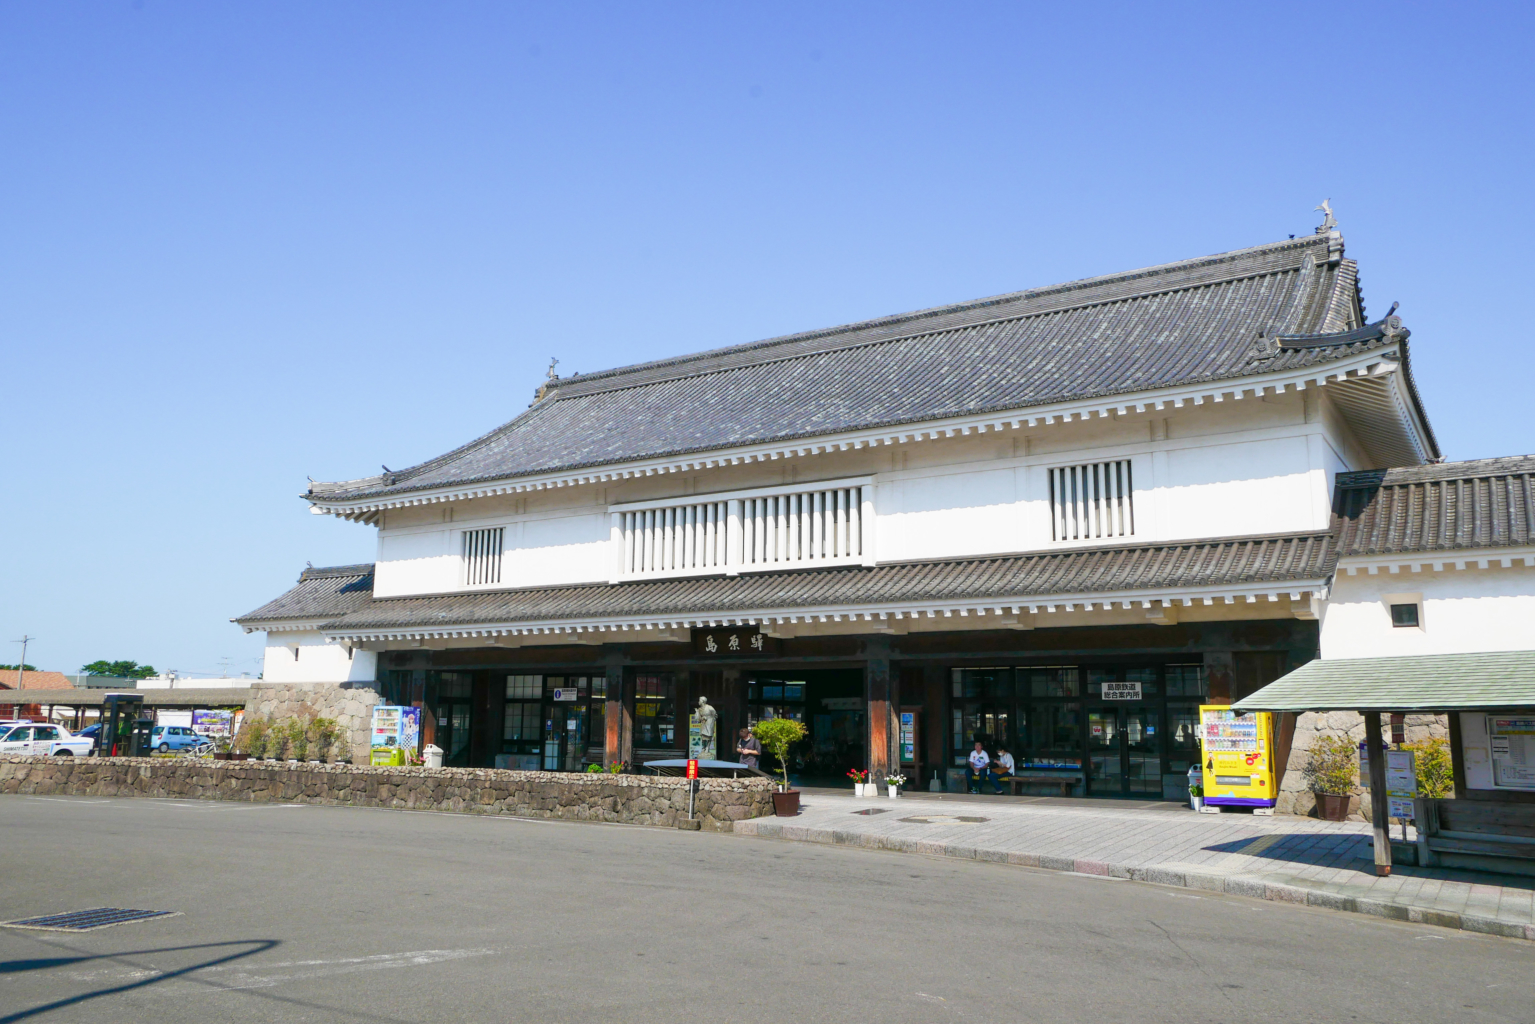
x=245, y=243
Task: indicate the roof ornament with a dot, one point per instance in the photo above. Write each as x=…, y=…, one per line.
x=1387, y=329
x=550, y=377
x=1329, y=222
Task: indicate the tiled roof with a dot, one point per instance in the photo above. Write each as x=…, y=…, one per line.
x=1184, y=323
x=34, y=680
x=1430, y=682
x=1486, y=503
x=1245, y=562
x=319, y=594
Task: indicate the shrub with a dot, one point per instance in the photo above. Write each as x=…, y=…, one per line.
x=777, y=735
x=1333, y=766
x=1436, y=773
x=252, y=737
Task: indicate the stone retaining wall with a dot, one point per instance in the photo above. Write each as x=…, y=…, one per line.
x=631, y=799
x=1295, y=798
x=350, y=704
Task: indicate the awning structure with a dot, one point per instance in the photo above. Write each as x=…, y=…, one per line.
x=204, y=697
x=1422, y=683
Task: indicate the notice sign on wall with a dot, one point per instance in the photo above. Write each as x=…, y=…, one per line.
x=1513, y=751
x=1122, y=691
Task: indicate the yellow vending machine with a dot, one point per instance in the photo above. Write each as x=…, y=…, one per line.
x=1237, y=755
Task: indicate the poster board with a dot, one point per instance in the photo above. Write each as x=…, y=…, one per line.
x=213, y=723
x=1511, y=746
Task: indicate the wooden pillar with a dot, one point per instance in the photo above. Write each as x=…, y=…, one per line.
x=935, y=720
x=618, y=722
x=882, y=732
x=1379, y=805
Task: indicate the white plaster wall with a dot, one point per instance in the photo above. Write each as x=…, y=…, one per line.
x=1464, y=610
x=316, y=661
x=1219, y=469
x=947, y=515
x=1221, y=490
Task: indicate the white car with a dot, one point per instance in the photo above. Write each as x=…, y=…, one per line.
x=43, y=740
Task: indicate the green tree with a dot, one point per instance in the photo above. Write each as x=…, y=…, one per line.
x=778, y=735
x=24, y=668
x=118, y=669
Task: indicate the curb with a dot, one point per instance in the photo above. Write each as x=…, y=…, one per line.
x=1230, y=885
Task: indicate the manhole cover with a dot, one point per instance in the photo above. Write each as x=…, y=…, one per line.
x=872, y=810
x=88, y=920
x=942, y=819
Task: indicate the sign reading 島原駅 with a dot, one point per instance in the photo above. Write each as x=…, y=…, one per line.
x=733, y=642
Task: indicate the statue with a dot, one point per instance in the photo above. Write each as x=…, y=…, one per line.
x=1329, y=222
x=701, y=739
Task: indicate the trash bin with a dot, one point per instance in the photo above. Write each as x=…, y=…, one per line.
x=432, y=755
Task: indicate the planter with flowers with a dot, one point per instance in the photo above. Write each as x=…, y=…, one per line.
x=861, y=784
x=895, y=781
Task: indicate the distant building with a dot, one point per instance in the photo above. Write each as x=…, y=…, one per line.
x=13, y=702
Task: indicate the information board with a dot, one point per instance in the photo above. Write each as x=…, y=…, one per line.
x=908, y=737
x=1122, y=691
x=212, y=723
x=1512, y=742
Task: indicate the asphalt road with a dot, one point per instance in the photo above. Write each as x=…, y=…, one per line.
x=297, y=913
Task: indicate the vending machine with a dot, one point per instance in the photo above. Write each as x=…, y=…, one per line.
x=1237, y=755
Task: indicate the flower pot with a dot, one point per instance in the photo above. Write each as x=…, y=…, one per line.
x=1331, y=807
x=786, y=805
x=895, y=791
x=1196, y=802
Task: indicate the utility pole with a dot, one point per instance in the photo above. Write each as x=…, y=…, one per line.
x=21, y=666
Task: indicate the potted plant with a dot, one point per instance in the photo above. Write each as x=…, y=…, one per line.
x=1331, y=770
x=860, y=779
x=1196, y=796
x=777, y=735
x=895, y=780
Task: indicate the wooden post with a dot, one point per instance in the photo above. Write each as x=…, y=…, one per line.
x=1379, y=805
x=876, y=689
x=618, y=727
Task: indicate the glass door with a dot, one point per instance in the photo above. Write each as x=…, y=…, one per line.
x=1105, y=741
x=1143, y=758
x=1124, y=747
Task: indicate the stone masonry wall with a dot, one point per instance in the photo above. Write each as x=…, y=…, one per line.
x=1295, y=798
x=632, y=799
x=350, y=704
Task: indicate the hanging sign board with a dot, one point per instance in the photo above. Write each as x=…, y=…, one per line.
x=567, y=693
x=1122, y=691
x=734, y=642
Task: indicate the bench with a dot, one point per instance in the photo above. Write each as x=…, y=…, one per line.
x=1067, y=781
x=1475, y=834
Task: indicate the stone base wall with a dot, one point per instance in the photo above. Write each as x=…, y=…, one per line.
x=1295, y=798
x=350, y=704
x=631, y=799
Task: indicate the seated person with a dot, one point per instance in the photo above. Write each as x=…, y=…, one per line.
x=980, y=768
x=1004, y=764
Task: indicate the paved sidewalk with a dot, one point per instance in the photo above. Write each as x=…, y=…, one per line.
x=1296, y=860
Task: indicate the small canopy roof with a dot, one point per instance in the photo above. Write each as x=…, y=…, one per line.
x=1429, y=683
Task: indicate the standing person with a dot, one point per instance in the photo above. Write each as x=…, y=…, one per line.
x=748, y=749
x=980, y=768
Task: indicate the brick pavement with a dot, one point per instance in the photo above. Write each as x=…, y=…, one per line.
x=1292, y=859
